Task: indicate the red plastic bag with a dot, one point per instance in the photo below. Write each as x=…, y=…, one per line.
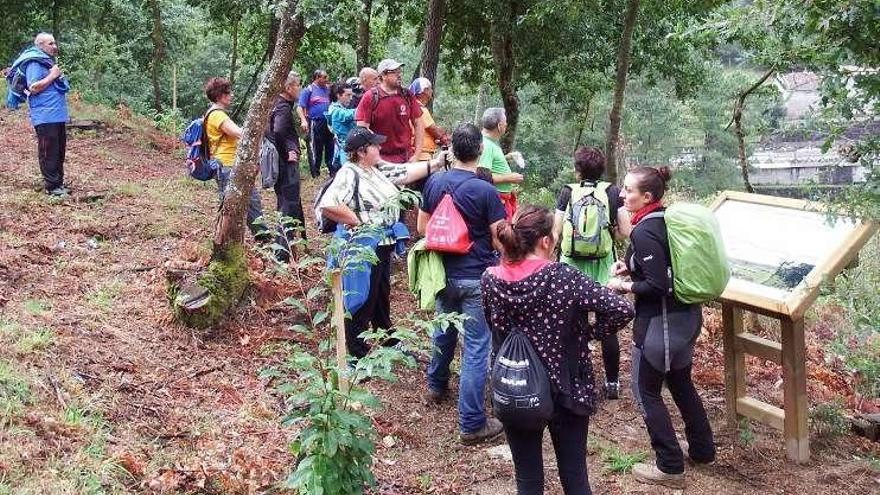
x=447, y=231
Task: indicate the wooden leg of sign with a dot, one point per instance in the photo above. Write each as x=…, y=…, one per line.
x=338, y=320
x=734, y=361
x=794, y=377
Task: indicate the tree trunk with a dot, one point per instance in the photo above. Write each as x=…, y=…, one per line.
x=158, y=53
x=738, y=107
x=226, y=277
x=624, y=54
x=56, y=21
x=362, y=51
x=236, y=21
x=231, y=226
x=433, y=37
x=502, y=55
x=577, y=140
x=481, y=104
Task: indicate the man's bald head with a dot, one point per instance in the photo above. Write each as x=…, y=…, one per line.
x=368, y=77
x=46, y=42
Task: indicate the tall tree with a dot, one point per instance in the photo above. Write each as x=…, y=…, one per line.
x=227, y=274
x=624, y=55
x=362, y=51
x=434, y=22
x=158, y=52
x=502, y=37
x=233, y=57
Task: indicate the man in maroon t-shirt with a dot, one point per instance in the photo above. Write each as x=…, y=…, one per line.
x=390, y=110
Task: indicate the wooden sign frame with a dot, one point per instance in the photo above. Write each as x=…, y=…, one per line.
x=790, y=352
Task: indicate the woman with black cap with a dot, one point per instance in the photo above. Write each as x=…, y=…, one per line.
x=365, y=191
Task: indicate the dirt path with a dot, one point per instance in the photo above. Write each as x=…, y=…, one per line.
x=100, y=392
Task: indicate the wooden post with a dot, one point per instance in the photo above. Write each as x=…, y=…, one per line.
x=734, y=361
x=174, y=87
x=794, y=380
x=338, y=320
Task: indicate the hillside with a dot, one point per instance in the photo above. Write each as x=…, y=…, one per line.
x=101, y=393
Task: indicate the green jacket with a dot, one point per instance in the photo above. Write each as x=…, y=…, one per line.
x=426, y=274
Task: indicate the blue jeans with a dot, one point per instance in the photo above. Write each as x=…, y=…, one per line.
x=463, y=296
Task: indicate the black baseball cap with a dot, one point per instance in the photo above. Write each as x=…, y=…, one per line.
x=361, y=136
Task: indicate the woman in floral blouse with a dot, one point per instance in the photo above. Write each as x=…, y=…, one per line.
x=550, y=303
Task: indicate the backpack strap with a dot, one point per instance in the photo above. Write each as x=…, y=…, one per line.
x=206, y=143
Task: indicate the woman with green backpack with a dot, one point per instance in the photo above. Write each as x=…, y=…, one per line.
x=587, y=221
x=665, y=330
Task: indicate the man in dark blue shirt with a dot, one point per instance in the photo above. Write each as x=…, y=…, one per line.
x=314, y=101
x=47, y=100
x=479, y=205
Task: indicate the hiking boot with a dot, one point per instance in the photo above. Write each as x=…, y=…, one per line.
x=649, y=473
x=59, y=192
x=686, y=450
x=489, y=431
x=434, y=397
x=612, y=390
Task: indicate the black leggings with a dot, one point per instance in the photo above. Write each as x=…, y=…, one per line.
x=569, y=435
x=611, y=357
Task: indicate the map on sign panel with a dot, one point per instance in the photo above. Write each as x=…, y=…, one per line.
x=772, y=249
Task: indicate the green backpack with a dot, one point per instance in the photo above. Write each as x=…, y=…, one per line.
x=699, y=261
x=586, y=231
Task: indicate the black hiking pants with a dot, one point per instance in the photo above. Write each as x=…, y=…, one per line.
x=569, y=435
x=321, y=147
x=51, y=148
x=647, y=384
x=376, y=309
x=287, y=192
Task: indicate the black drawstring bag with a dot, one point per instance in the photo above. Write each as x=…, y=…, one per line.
x=521, y=392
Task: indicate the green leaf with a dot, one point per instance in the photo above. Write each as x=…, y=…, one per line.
x=319, y=317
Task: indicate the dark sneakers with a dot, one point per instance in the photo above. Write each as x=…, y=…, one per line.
x=489, y=431
x=612, y=390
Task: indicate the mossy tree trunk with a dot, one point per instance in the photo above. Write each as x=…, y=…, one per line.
x=226, y=277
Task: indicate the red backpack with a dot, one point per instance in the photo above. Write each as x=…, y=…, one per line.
x=447, y=231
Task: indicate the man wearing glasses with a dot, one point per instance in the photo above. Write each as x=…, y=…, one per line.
x=390, y=110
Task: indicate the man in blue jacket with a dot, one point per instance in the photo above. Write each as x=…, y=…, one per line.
x=47, y=99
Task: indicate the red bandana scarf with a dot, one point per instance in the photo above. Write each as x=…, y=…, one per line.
x=644, y=211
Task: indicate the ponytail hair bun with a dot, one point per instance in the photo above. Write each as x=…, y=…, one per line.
x=665, y=173
x=520, y=236
x=652, y=180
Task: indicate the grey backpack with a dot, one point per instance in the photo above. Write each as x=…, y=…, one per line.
x=268, y=164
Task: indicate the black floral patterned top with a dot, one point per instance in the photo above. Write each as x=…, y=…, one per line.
x=553, y=308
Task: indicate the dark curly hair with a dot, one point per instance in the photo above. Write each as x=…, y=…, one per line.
x=217, y=87
x=589, y=163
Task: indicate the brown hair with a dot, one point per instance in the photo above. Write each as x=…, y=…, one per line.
x=589, y=163
x=217, y=87
x=519, y=236
x=652, y=180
